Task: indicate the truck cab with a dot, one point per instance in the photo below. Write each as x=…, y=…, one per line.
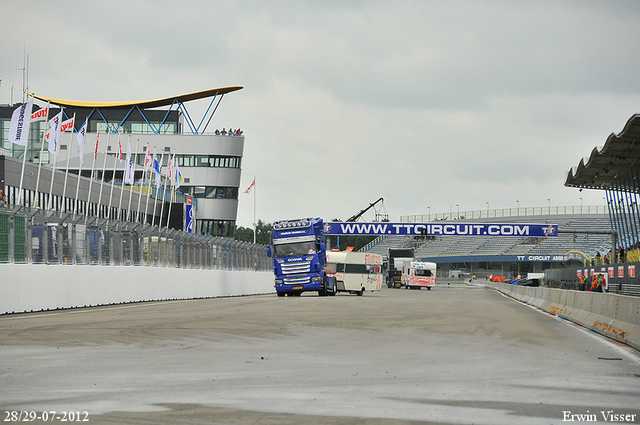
x=300, y=258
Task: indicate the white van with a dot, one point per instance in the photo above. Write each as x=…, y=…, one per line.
x=355, y=272
x=418, y=274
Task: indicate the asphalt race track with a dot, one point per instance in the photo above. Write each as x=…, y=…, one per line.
x=459, y=354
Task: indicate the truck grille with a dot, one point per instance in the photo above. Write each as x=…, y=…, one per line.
x=297, y=280
x=297, y=267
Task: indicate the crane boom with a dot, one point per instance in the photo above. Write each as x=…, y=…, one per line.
x=357, y=216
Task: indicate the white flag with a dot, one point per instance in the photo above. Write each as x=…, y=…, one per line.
x=54, y=131
x=170, y=165
x=40, y=115
x=67, y=125
x=178, y=176
x=20, y=120
x=147, y=160
x=128, y=177
x=81, y=133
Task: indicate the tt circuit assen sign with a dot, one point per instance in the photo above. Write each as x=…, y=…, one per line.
x=441, y=229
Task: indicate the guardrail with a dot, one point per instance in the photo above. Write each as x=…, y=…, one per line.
x=504, y=212
x=615, y=316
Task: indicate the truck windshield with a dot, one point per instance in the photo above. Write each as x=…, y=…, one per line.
x=294, y=249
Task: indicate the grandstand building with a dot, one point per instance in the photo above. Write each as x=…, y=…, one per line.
x=210, y=164
x=507, y=255
x=590, y=241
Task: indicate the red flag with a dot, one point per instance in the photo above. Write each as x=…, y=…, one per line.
x=253, y=183
x=119, y=149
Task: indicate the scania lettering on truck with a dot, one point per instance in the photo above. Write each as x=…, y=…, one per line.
x=356, y=272
x=418, y=274
x=394, y=265
x=300, y=258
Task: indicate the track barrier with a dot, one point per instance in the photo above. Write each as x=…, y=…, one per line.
x=615, y=316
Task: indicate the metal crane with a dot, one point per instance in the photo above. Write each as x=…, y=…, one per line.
x=357, y=216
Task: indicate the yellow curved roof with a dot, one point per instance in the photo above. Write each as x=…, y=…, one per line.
x=145, y=104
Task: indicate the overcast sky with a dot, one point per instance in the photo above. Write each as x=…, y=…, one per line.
x=434, y=106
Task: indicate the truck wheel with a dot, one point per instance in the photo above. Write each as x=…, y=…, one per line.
x=281, y=294
x=360, y=292
x=428, y=288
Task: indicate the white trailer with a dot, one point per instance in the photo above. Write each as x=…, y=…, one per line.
x=356, y=272
x=418, y=274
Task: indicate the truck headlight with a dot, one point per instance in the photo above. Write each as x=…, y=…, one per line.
x=278, y=281
x=316, y=279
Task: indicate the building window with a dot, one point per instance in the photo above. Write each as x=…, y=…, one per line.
x=209, y=161
x=222, y=228
x=211, y=192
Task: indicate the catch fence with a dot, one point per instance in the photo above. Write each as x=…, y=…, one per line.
x=36, y=236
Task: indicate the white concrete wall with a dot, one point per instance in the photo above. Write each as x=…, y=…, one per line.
x=25, y=288
x=615, y=316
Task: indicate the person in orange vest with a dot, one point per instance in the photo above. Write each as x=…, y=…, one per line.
x=596, y=286
x=581, y=283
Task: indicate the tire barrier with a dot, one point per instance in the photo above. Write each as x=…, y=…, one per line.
x=614, y=316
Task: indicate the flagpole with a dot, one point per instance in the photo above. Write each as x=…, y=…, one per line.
x=164, y=185
x=66, y=173
x=104, y=168
x=44, y=135
x=255, y=225
x=121, y=186
x=144, y=173
x=171, y=186
x=155, y=199
x=113, y=178
x=24, y=156
x=133, y=176
x=80, y=152
x=146, y=204
x=53, y=171
x=93, y=166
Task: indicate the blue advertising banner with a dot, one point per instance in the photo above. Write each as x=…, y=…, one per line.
x=189, y=216
x=441, y=229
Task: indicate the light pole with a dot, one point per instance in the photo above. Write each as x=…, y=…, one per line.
x=580, y=205
x=429, y=217
x=458, y=206
x=487, y=209
x=518, y=210
x=549, y=201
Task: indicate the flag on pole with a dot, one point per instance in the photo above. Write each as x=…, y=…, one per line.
x=170, y=165
x=178, y=176
x=55, y=124
x=129, y=172
x=19, y=127
x=147, y=160
x=253, y=183
x=156, y=167
x=67, y=125
x=40, y=114
x=95, y=155
x=81, y=133
x=119, y=149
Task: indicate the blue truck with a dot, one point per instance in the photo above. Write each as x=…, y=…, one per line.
x=300, y=258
